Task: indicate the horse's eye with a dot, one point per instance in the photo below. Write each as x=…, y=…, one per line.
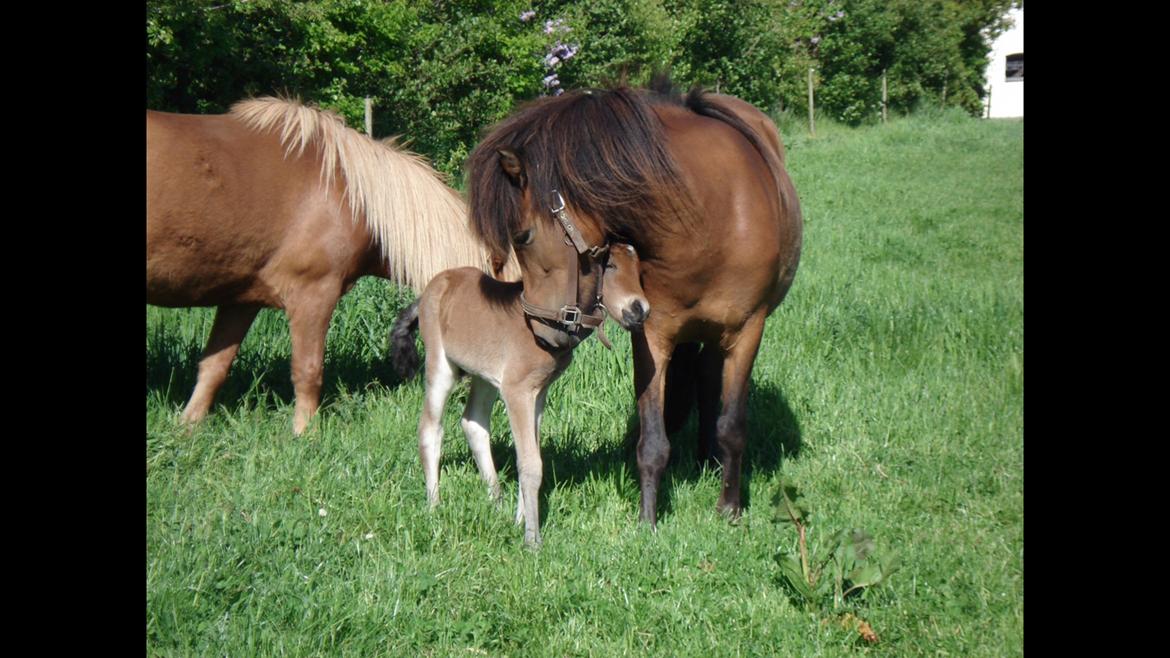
x=523, y=237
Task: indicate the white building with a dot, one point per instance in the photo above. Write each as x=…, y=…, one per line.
x=1005, y=74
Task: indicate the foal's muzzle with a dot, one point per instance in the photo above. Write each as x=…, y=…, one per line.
x=634, y=316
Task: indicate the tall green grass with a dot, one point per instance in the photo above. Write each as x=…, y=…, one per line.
x=889, y=388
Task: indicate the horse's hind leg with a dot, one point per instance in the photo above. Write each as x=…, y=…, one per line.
x=228, y=331
x=477, y=416
x=731, y=428
x=441, y=378
x=680, y=386
x=709, y=379
x=308, y=320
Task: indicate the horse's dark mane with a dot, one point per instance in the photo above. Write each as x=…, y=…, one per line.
x=602, y=149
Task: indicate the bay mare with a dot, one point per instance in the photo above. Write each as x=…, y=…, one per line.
x=697, y=184
x=276, y=204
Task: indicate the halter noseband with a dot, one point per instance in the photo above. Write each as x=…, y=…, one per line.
x=570, y=317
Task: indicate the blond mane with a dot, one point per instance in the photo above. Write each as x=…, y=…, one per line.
x=420, y=223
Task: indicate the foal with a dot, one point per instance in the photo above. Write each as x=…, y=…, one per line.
x=473, y=324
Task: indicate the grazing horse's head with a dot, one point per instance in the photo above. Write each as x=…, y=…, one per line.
x=562, y=259
x=559, y=177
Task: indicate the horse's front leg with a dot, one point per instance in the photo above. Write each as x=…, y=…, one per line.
x=230, y=328
x=309, y=313
x=651, y=360
x=521, y=403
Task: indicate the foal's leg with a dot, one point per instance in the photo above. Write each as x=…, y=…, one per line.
x=539, y=415
x=651, y=359
x=309, y=313
x=522, y=414
x=731, y=428
x=441, y=378
x=228, y=331
x=477, y=416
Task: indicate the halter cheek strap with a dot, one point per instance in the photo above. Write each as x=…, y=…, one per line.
x=570, y=317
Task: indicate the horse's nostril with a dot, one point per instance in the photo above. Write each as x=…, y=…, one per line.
x=636, y=314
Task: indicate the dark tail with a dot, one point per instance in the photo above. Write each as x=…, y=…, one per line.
x=402, y=350
x=700, y=103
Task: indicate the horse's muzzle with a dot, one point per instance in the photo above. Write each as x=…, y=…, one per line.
x=634, y=316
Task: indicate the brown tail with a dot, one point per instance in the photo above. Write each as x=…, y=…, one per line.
x=402, y=350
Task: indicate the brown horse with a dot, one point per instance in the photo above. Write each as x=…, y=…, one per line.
x=474, y=325
x=698, y=186
x=280, y=205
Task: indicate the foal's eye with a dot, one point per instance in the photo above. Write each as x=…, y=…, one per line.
x=523, y=237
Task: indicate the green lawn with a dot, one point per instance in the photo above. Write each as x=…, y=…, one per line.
x=889, y=388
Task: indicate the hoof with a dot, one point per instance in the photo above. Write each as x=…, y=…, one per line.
x=731, y=510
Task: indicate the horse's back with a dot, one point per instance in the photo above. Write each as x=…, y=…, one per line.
x=474, y=321
x=754, y=117
x=223, y=206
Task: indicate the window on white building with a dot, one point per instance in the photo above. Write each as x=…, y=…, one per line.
x=1015, y=68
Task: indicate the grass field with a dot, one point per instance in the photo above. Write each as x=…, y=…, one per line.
x=888, y=388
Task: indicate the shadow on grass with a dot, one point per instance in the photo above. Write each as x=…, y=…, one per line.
x=172, y=374
x=773, y=435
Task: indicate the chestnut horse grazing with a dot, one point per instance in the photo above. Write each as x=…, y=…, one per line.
x=472, y=324
x=280, y=205
x=697, y=184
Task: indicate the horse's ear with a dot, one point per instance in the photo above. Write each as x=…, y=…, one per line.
x=498, y=264
x=511, y=164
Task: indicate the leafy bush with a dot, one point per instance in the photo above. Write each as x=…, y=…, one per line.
x=440, y=72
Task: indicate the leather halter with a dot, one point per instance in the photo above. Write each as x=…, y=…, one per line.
x=570, y=317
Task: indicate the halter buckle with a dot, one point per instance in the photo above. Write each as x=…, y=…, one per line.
x=569, y=316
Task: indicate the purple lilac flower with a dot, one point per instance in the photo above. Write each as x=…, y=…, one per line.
x=557, y=25
x=551, y=80
x=815, y=40
x=527, y=16
x=551, y=60
x=564, y=52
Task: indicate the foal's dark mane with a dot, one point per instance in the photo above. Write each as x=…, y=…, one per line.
x=501, y=294
x=602, y=149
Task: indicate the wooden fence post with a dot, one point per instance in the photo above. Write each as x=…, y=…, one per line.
x=812, y=126
x=369, y=116
x=884, y=96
